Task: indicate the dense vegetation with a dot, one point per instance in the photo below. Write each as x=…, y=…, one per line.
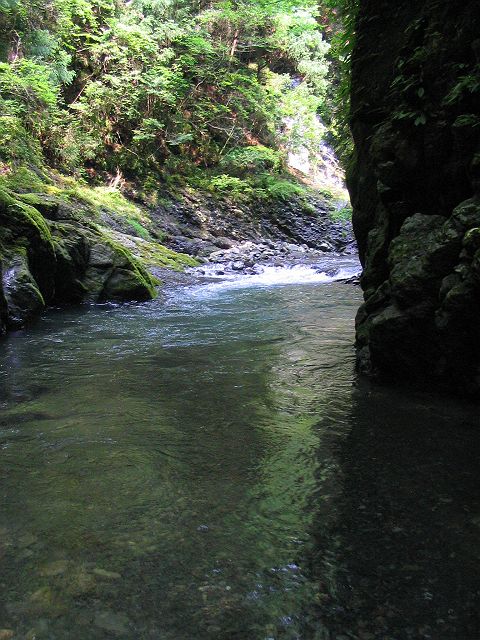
x=167, y=89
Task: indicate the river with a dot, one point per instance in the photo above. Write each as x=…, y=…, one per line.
x=207, y=466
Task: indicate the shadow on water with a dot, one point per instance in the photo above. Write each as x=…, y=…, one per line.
x=203, y=468
x=398, y=557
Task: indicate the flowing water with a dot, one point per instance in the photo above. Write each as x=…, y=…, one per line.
x=206, y=466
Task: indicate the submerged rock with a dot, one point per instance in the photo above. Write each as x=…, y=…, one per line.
x=107, y=575
x=113, y=622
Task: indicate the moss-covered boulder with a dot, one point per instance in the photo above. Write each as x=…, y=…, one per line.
x=47, y=255
x=112, y=273
x=28, y=260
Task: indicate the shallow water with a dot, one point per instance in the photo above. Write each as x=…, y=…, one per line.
x=207, y=466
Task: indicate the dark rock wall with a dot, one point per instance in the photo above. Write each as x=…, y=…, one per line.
x=415, y=187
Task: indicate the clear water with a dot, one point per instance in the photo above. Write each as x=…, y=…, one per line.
x=206, y=466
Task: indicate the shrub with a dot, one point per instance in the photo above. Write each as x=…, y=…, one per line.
x=251, y=160
x=231, y=186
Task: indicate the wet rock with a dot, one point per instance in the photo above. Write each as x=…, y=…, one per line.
x=44, y=601
x=23, y=297
x=224, y=243
x=80, y=582
x=355, y=280
x=293, y=221
x=41, y=630
x=44, y=261
x=6, y=634
x=325, y=246
x=27, y=540
x=56, y=568
x=113, y=622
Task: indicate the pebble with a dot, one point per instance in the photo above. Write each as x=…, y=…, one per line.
x=111, y=621
x=80, y=582
x=27, y=540
x=108, y=575
x=250, y=257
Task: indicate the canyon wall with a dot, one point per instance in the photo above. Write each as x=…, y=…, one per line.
x=415, y=187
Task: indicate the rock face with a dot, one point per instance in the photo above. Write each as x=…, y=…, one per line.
x=415, y=187
x=198, y=223
x=48, y=256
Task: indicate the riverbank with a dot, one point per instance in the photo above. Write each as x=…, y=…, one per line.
x=64, y=242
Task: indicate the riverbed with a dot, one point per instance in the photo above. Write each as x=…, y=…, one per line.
x=208, y=466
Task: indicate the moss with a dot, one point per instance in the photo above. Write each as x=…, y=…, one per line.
x=46, y=205
x=6, y=200
x=35, y=218
x=23, y=179
x=344, y=214
x=157, y=255
x=471, y=240
x=26, y=214
x=134, y=265
x=139, y=229
x=149, y=252
x=105, y=198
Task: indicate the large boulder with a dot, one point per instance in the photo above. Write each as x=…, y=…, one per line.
x=48, y=255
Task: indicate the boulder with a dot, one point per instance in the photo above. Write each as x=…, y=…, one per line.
x=59, y=260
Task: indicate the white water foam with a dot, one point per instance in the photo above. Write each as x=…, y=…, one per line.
x=272, y=276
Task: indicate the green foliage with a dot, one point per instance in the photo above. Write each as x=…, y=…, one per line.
x=231, y=186
x=144, y=88
x=251, y=160
x=466, y=84
x=341, y=16
x=252, y=186
x=342, y=214
x=280, y=188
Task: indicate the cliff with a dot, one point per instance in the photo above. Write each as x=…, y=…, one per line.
x=415, y=187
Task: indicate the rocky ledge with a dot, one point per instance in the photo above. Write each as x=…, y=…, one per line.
x=199, y=224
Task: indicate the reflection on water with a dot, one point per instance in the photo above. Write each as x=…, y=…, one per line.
x=203, y=467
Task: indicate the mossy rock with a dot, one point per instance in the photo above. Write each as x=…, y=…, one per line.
x=25, y=180
x=24, y=216
x=124, y=285
x=471, y=240
x=48, y=206
x=23, y=229
x=22, y=294
x=112, y=273
x=46, y=260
